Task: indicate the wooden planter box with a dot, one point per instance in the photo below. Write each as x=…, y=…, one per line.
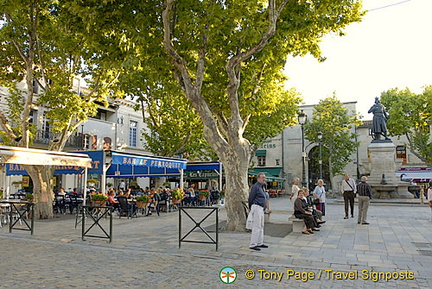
x=176, y=201
x=99, y=203
x=141, y=205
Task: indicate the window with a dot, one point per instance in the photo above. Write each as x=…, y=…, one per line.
x=87, y=141
x=45, y=127
x=133, y=133
x=261, y=161
x=101, y=114
x=401, y=153
x=35, y=86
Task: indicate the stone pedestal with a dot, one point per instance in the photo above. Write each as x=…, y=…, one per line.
x=383, y=162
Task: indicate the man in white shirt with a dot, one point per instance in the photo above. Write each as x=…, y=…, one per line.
x=349, y=189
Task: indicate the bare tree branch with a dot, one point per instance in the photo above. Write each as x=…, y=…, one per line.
x=4, y=123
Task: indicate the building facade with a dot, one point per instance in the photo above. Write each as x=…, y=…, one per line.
x=116, y=127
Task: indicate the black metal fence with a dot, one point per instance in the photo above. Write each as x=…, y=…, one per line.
x=198, y=225
x=95, y=214
x=22, y=213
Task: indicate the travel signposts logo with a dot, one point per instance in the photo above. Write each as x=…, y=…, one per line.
x=228, y=275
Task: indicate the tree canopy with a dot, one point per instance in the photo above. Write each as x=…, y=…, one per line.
x=227, y=57
x=411, y=116
x=43, y=53
x=333, y=120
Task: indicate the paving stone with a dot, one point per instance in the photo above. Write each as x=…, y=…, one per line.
x=144, y=253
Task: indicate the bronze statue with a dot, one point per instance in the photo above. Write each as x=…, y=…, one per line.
x=380, y=116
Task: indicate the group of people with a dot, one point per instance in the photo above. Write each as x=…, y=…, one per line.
x=309, y=207
x=155, y=201
x=364, y=192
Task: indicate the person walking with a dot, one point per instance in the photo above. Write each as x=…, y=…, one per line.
x=348, y=191
x=364, y=191
x=257, y=206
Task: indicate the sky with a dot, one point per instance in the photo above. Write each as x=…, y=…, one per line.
x=390, y=48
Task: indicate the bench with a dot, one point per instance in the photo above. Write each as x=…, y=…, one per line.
x=298, y=224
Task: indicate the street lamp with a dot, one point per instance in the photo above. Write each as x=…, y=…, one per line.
x=320, y=135
x=302, y=117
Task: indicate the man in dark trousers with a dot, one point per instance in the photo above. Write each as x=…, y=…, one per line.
x=364, y=191
x=348, y=191
x=257, y=206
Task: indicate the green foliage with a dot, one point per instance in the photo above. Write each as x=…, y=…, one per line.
x=131, y=33
x=332, y=119
x=39, y=46
x=411, y=115
x=204, y=193
x=143, y=198
x=177, y=194
x=98, y=197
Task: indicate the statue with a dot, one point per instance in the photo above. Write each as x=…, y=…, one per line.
x=383, y=180
x=380, y=116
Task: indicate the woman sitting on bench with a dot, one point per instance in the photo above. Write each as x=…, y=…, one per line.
x=301, y=212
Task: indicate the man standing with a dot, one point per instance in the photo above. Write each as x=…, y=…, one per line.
x=364, y=191
x=257, y=206
x=348, y=192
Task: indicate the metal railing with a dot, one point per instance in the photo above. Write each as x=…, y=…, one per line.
x=95, y=214
x=198, y=224
x=22, y=213
x=44, y=137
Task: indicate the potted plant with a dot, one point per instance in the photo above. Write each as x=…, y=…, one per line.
x=98, y=199
x=29, y=197
x=203, y=195
x=177, y=195
x=142, y=201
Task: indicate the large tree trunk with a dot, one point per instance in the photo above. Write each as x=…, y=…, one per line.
x=42, y=177
x=224, y=133
x=236, y=191
x=159, y=181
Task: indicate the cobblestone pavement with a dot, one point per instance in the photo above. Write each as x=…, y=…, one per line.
x=144, y=253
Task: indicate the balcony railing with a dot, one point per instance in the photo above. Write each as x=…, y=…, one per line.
x=44, y=137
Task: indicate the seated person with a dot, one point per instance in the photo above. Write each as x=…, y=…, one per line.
x=61, y=192
x=301, y=212
x=113, y=202
x=317, y=214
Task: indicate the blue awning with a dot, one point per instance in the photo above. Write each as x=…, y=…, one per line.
x=125, y=159
x=122, y=165
x=203, y=166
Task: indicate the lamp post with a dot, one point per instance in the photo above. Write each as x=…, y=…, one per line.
x=302, y=117
x=320, y=135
